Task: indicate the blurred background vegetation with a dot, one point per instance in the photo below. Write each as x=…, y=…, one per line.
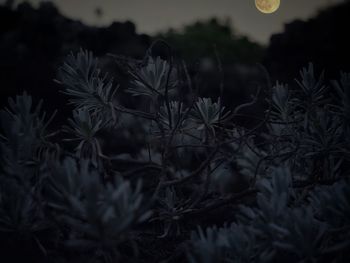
x=34, y=41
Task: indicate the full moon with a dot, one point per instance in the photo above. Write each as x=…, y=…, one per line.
x=267, y=6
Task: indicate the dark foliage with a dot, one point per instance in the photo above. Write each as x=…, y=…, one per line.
x=198, y=188
x=322, y=39
x=163, y=165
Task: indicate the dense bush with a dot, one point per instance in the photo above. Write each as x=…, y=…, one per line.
x=198, y=187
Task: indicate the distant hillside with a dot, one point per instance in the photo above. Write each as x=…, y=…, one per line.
x=197, y=40
x=323, y=40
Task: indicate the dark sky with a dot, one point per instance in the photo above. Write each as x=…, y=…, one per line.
x=152, y=16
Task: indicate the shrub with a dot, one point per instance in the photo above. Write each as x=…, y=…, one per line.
x=276, y=192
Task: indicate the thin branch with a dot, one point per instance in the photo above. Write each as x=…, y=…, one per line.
x=194, y=173
x=136, y=113
x=222, y=202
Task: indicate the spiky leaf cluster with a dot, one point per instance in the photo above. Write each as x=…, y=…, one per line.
x=278, y=190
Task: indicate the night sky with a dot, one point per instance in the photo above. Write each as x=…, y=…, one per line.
x=151, y=16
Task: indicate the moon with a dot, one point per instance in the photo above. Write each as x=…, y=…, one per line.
x=267, y=6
